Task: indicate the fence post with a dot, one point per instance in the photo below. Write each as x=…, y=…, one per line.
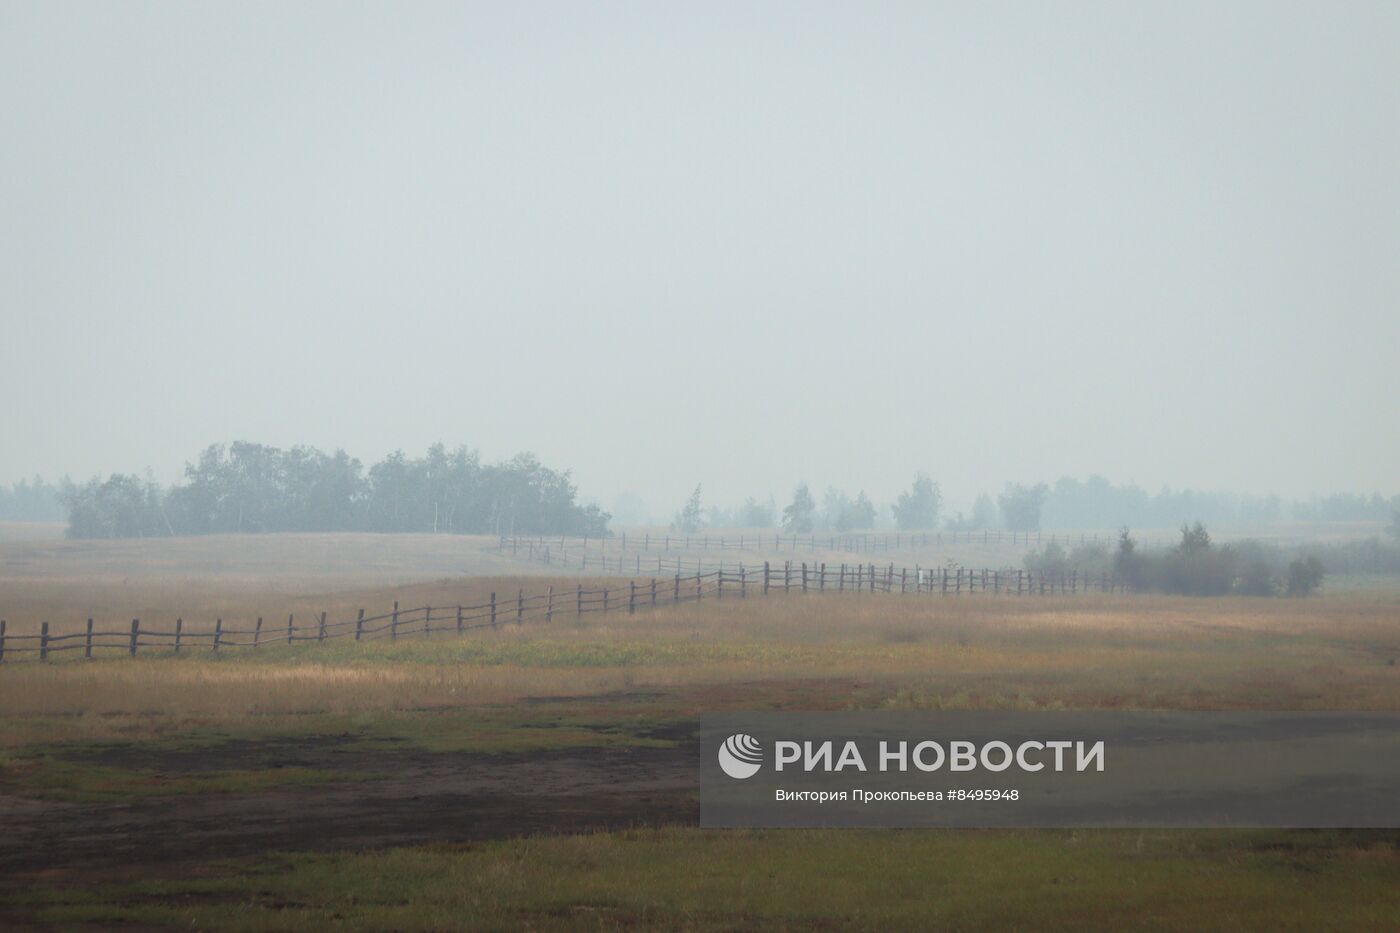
x=360, y=624
x=321, y=628
x=289, y=628
x=179, y=633
x=787, y=576
x=135, y=637
x=841, y=584
x=605, y=600
x=676, y=593
x=218, y=633
x=394, y=619
x=804, y=576
x=578, y=609
x=719, y=582
x=631, y=597
x=87, y=644
x=520, y=607
x=903, y=580
x=44, y=641
x=257, y=632
x=765, y=577
x=548, y=609
x=493, y=610
x=427, y=621
x=653, y=592
x=699, y=593
x=3, y=625
x=943, y=580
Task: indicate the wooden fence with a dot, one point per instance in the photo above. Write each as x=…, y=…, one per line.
x=561, y=545
x=707, y=581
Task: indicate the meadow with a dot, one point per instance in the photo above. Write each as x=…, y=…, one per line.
x=543, y=776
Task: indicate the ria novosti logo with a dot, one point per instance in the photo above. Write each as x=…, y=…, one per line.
x=741, y=756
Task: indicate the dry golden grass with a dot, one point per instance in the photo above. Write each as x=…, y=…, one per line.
x=794, y=651
x=240, y=577
x=31, y=531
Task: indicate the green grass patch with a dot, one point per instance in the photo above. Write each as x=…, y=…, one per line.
x=698, y=879
x=81, y=770
x=498, y=731
x=41, y=777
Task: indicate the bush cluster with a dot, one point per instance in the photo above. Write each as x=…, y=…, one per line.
x=254, y=488
x=1197, y=566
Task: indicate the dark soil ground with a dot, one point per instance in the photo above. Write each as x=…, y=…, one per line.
x=416, y=797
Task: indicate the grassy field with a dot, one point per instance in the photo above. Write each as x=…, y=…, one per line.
x=543, y=776
x=690, y=879
x=239, y=577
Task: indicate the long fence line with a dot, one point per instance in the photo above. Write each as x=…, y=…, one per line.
x=659, y=590
x=637, y=563
x=848, y=543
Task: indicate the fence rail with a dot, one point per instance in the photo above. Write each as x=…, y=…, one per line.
x=562, y=545
x=674, y=586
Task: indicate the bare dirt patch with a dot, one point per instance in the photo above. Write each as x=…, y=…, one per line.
x=422, y=797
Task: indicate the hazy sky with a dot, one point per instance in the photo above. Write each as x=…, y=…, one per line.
x=738, y=244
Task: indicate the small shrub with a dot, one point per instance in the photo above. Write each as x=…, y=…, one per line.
x=1305, y=576
x=1257, y=580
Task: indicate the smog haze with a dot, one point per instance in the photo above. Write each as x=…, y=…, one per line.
x=731, y=244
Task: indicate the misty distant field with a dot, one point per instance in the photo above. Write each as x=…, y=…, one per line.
x=31, y=531
x=239, y=577
x=236, y=577
x=543, y=775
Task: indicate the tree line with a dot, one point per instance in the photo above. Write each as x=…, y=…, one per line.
x=1198, y=566
x=918, y=508
x=31, y=501
x=252, y=487
x=1068, y=504
x=247, y=487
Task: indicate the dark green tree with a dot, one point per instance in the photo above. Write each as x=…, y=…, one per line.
x=797, y=517
x=1021, y=505
x=691, y=517
x=918, y=508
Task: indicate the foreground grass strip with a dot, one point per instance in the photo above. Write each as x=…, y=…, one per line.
x=697, y=879
x=45, y=778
